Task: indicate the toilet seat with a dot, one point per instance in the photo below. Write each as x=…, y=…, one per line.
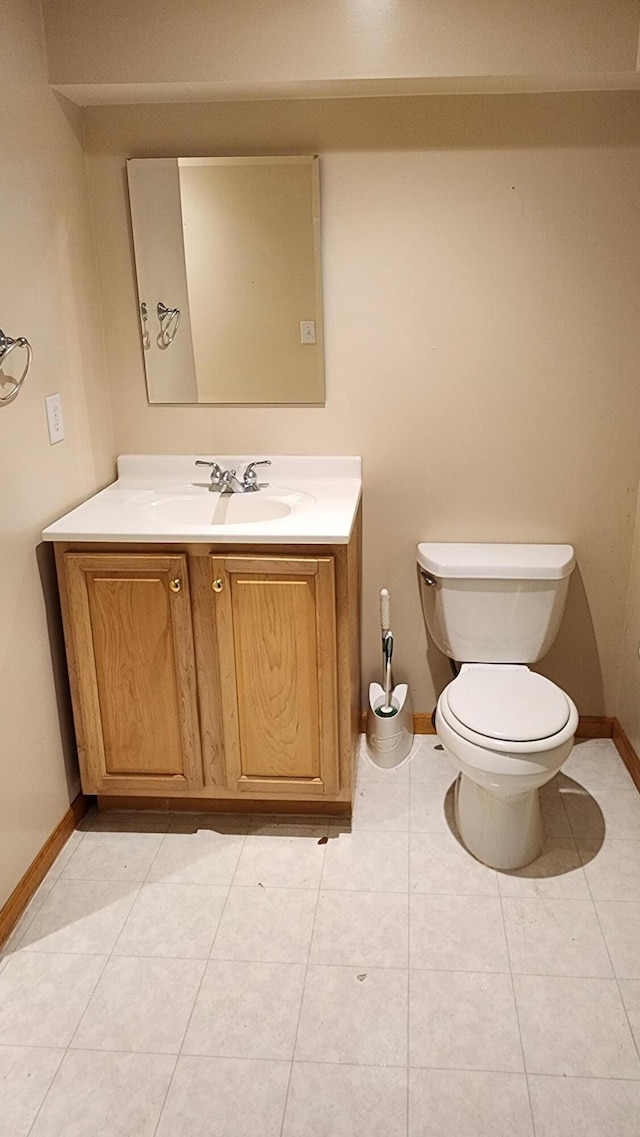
x=508, y=709
x=509, y=703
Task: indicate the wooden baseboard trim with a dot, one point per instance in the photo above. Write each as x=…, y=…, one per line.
x=12, y=910
x=422, y=723
x=595, y=726
x=626, y=752
x=318, y=808
x=589, y=726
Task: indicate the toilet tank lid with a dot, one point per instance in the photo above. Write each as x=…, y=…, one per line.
x=499, y=562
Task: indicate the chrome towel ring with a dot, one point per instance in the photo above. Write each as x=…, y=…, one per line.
x=7, y=345
x=169, y=320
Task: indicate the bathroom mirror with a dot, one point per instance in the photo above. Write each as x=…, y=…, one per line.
x=227, y=254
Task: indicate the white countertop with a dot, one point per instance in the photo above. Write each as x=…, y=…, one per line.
x=160, y=498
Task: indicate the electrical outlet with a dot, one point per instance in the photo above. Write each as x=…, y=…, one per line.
x=307, y=331
x=53, y=403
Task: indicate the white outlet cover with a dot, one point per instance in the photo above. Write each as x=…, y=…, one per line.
x=55, y=425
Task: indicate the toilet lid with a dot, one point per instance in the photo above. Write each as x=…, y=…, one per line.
x=510, y=704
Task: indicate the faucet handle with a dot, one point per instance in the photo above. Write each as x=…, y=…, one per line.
x=216, y=472
x=250, y=478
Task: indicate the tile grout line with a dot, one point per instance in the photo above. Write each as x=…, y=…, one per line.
x=46, y=1095
x=635, y=1041
x=592, y=793
x=304, y=980
x=179, y=1054
x=106, y=962
x=292, y=962
x=177, y=884
x=323, y=1062
x=166, y=1094
x=65, y=1049
x=36, y=909
x=155, y=856
x=515, y=1006
x=137, y=884
x=179, y=1051
x=445, y=832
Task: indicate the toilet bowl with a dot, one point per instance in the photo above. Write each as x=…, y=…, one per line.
x=494, y=609
x=508, y=730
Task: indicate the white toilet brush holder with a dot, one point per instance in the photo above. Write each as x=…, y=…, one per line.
x=389, y=736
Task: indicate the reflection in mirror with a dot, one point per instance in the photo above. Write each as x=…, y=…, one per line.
x=227, y=255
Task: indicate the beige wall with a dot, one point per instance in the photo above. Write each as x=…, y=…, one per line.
x=239, y=46
x=48, y=293
x=628, y=705
x=481, y=273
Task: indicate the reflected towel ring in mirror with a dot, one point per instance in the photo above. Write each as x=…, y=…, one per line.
x=169, y=321
x=146, y=339
x=7, y=345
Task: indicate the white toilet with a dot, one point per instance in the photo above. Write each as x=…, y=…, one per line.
x=494, y=609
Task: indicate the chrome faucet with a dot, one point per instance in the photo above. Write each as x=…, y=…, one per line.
x=225, y=481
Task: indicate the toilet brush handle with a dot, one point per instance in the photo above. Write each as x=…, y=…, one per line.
x=387, y=648
x=385, y=611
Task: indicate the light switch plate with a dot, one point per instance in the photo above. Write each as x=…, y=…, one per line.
x=53, y=403
x=307, y=331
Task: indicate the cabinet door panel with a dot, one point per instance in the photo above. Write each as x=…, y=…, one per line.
x=276, y=642
x=135, y=671
x=133, y=651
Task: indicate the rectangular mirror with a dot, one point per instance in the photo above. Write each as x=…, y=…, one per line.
x=227, y=254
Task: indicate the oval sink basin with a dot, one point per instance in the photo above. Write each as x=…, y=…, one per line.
x=199, y=507
x=243, y=509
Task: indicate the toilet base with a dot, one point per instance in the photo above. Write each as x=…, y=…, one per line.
x=504, y=832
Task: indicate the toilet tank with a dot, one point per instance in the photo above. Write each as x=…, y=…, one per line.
x=494, y=603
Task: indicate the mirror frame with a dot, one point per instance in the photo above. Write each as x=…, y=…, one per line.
x=151, y=328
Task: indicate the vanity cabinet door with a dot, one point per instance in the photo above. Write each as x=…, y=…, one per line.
x=133, y=672
x=276, y=639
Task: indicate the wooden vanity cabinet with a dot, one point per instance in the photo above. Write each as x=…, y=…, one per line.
x=226, y=677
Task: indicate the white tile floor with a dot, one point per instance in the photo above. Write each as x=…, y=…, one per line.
x=197, y=977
